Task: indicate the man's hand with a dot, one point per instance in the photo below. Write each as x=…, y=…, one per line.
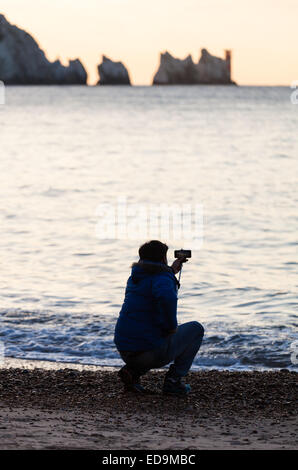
x=176, y=266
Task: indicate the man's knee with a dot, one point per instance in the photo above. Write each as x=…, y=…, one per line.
x=198, y=327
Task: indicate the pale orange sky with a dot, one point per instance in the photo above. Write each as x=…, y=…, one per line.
x=261, y=33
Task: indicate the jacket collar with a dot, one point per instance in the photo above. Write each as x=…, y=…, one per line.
x=152, y=267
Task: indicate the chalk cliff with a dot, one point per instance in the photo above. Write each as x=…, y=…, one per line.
x=112, y=73
x=22, y=62
x=209, y=70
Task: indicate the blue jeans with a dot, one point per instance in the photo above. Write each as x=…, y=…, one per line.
x=179, y=348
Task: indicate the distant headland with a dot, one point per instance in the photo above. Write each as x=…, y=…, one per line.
x=23, y=62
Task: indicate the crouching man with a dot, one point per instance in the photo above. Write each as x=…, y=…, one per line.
x=146, y=334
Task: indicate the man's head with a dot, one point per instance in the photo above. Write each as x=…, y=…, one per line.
x=155, y=251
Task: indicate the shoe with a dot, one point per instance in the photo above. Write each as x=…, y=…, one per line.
x=130, y=380
x=173, y=385
x=176, y=388
x=136, y=387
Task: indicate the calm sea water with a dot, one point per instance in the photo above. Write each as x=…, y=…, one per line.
x=65, y=150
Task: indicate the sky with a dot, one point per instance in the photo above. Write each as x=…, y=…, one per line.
x=262, y=34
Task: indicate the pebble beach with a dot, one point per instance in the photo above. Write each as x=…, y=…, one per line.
x=67, y=408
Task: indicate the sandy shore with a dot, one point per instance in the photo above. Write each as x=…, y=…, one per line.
x=88, y=409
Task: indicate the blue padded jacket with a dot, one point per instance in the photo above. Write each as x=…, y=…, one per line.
x=149, y=310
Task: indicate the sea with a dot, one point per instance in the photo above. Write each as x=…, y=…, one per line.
x=69, y=153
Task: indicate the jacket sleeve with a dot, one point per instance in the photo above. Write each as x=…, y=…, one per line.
x=165, y=292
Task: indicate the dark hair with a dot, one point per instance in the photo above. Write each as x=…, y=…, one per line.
x=153, y=251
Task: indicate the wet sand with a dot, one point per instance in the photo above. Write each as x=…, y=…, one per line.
x=88, y=409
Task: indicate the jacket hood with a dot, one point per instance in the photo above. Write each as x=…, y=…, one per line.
x=147, y=268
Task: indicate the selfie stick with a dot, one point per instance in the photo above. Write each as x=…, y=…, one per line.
x=180, y=273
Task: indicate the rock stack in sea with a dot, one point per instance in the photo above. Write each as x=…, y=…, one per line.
x=112, y=73
x=22, y=62
x=209, y=70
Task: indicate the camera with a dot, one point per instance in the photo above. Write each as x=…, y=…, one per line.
x=182, y=253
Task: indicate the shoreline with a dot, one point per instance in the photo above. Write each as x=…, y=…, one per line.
x=74, y=409
x=144, y=85
x=20, y=363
